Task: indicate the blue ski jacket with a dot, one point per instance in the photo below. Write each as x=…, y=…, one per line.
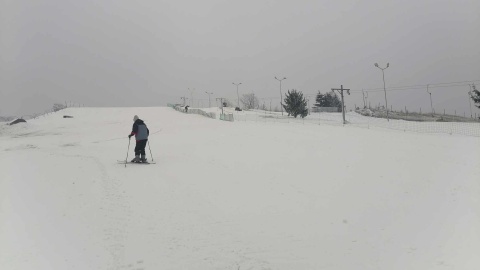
x=140, y=130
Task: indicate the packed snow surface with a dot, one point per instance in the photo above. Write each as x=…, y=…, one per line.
x=234, y=195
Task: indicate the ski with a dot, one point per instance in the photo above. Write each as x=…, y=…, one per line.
x=129, y=162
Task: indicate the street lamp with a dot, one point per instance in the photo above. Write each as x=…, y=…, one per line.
x=384, y=89
x=431, y=104
x=209, y=103
x=238, y=97
x=366, y=100
x=280, y=80
x=308, y=106
x=470, y=100
x=191, y=95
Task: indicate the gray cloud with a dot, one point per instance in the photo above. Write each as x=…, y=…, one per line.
x=145, y=53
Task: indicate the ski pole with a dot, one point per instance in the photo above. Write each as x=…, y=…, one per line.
x=150, y=150
x=128, y=149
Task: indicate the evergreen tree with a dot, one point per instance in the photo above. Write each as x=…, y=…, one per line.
x=328, y=100
x=475, y=95
x=295, y=104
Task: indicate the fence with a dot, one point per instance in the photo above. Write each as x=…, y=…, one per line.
x=358, y=120
x=192, y=111
x=326, y=109
x=56, y=107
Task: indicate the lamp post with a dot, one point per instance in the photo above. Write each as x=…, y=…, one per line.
x=384, y=89
x=191, y=95
x=308, y=106
x=364, y=100
x=209, y=103
x=238, y=97
x=280, y=80
x=470, y=100
x=431, y=104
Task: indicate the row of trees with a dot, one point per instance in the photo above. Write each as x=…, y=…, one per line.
x=294, y=104
x=56, y=107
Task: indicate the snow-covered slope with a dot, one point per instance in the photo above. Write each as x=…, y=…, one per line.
x=235, y=195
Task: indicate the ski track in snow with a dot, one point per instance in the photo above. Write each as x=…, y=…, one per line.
x=234, y=195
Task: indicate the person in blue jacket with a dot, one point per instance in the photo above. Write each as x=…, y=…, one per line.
x=141, y=133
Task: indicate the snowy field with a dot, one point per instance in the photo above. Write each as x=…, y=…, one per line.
x=234, y=195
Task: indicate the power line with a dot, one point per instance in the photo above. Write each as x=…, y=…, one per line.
x=393, y=89
x=420, y=86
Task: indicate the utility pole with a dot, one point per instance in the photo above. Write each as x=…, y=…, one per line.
x=238, y=97
x=340, y=90
x=184, y=98
x=209, y=103
x=431, y=104
x=384, y=89
x=280, y=80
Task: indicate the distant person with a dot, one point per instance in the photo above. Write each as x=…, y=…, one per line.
x=186, y=108
x=141, y=133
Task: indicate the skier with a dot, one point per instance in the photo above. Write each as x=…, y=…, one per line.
x=141, y=133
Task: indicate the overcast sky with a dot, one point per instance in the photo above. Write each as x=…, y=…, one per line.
x=148, y=53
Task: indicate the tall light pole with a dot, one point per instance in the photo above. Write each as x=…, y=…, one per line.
x=280, y=80
x=209, y=103
x=238, y=97
x=431, y=104
x=470, y=100
x=191, y=95
x=364, y=101
x=384, y=89
x=308, y=106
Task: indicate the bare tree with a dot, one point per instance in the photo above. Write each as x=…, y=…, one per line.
x=249, y=101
